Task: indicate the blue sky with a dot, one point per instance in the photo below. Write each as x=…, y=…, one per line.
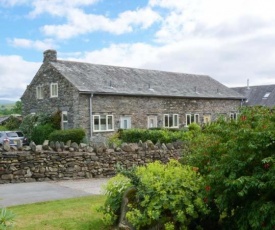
x=231, y=41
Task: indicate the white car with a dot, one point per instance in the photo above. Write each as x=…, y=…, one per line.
x=13, y=137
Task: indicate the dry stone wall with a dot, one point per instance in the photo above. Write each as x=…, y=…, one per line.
x=43, y=163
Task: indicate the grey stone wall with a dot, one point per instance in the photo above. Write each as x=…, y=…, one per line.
x=29, y=166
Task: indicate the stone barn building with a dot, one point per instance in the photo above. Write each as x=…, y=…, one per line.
x=102, y=98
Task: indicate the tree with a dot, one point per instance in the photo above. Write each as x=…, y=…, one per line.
x=17, y=107
x=237, y=160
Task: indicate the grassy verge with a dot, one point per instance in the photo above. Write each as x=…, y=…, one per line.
x=69, y=214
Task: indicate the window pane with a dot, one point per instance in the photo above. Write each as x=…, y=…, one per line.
x=166, y=121
x=65, y=117
x=96, y=122
x=188, y=120
x=102, y=122
x=175, y=120
x=197, y=118
x=110, y=122
x=170, y=121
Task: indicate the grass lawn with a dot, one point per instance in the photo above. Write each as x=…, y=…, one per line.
x=69, y=214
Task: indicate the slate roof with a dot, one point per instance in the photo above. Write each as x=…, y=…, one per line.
x=258, y=95
x=105, y=79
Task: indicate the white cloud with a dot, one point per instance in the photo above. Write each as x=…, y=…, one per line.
x=58, y=7
x=15, y=74
x=37, y=44
x=78, y=22
x=200, y=18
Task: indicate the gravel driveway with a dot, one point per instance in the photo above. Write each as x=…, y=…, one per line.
x=25, y=193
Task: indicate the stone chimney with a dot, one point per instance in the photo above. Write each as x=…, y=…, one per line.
x=49, y=55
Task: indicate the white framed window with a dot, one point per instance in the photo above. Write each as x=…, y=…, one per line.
x=54, y=89
x=103, y=123
x=233, y=116
x=39, y=92
x=171, y=120
x=192, y=118
x=64, y=120
x=125, y=122
x=152, y=121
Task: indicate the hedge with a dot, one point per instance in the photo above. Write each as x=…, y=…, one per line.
x=75, y=135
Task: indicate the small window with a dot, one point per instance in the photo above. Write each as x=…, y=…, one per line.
x=125, y=122
x=39, y=92
x=152, y=122
x=54, y=90
x=64, y=120
x=103, y=123
x=171, y=121
x=266, y=95
x=192, y=118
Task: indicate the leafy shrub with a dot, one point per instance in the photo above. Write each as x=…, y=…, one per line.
x=114, y=139
x=194, y=127
x=169, y=195
x=114, y=191
x=166, y=195
x=41, y=133
x=155, y=135
x=75, y=135
x=3, y=128
x=13, y=123
x=6, y=219
x=28, y=124
x=237, y=159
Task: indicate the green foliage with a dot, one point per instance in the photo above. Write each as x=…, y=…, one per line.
x=6, y=219
x=75, y=135
x=17, y=108
x=28, y=124
x=41, y=133
x=3, y=128
x=33, y=124
x=114, y=139
x=194, y=127
x=56, y=120
x=13, y=123
x=155, y=135
x=237, y=160
x=168, y=195
x=114, y=191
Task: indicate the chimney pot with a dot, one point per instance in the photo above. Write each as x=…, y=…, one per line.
x=50, y=56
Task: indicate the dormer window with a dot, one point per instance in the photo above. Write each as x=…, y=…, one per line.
x=266, y=95
x=54, y=89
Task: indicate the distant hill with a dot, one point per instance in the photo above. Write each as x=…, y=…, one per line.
x=6, y=102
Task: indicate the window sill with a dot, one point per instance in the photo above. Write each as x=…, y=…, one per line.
x=102, y=131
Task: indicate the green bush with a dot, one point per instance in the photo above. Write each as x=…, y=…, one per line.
x=114, y=191
x=41, y=133
x=167, y=195
x=28, y=124
x=3, y=128
x=237, y=160
x=13, y=123
x=75, y=135
x=155, y=135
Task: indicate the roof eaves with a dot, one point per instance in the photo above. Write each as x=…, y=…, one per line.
x=158, y=95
